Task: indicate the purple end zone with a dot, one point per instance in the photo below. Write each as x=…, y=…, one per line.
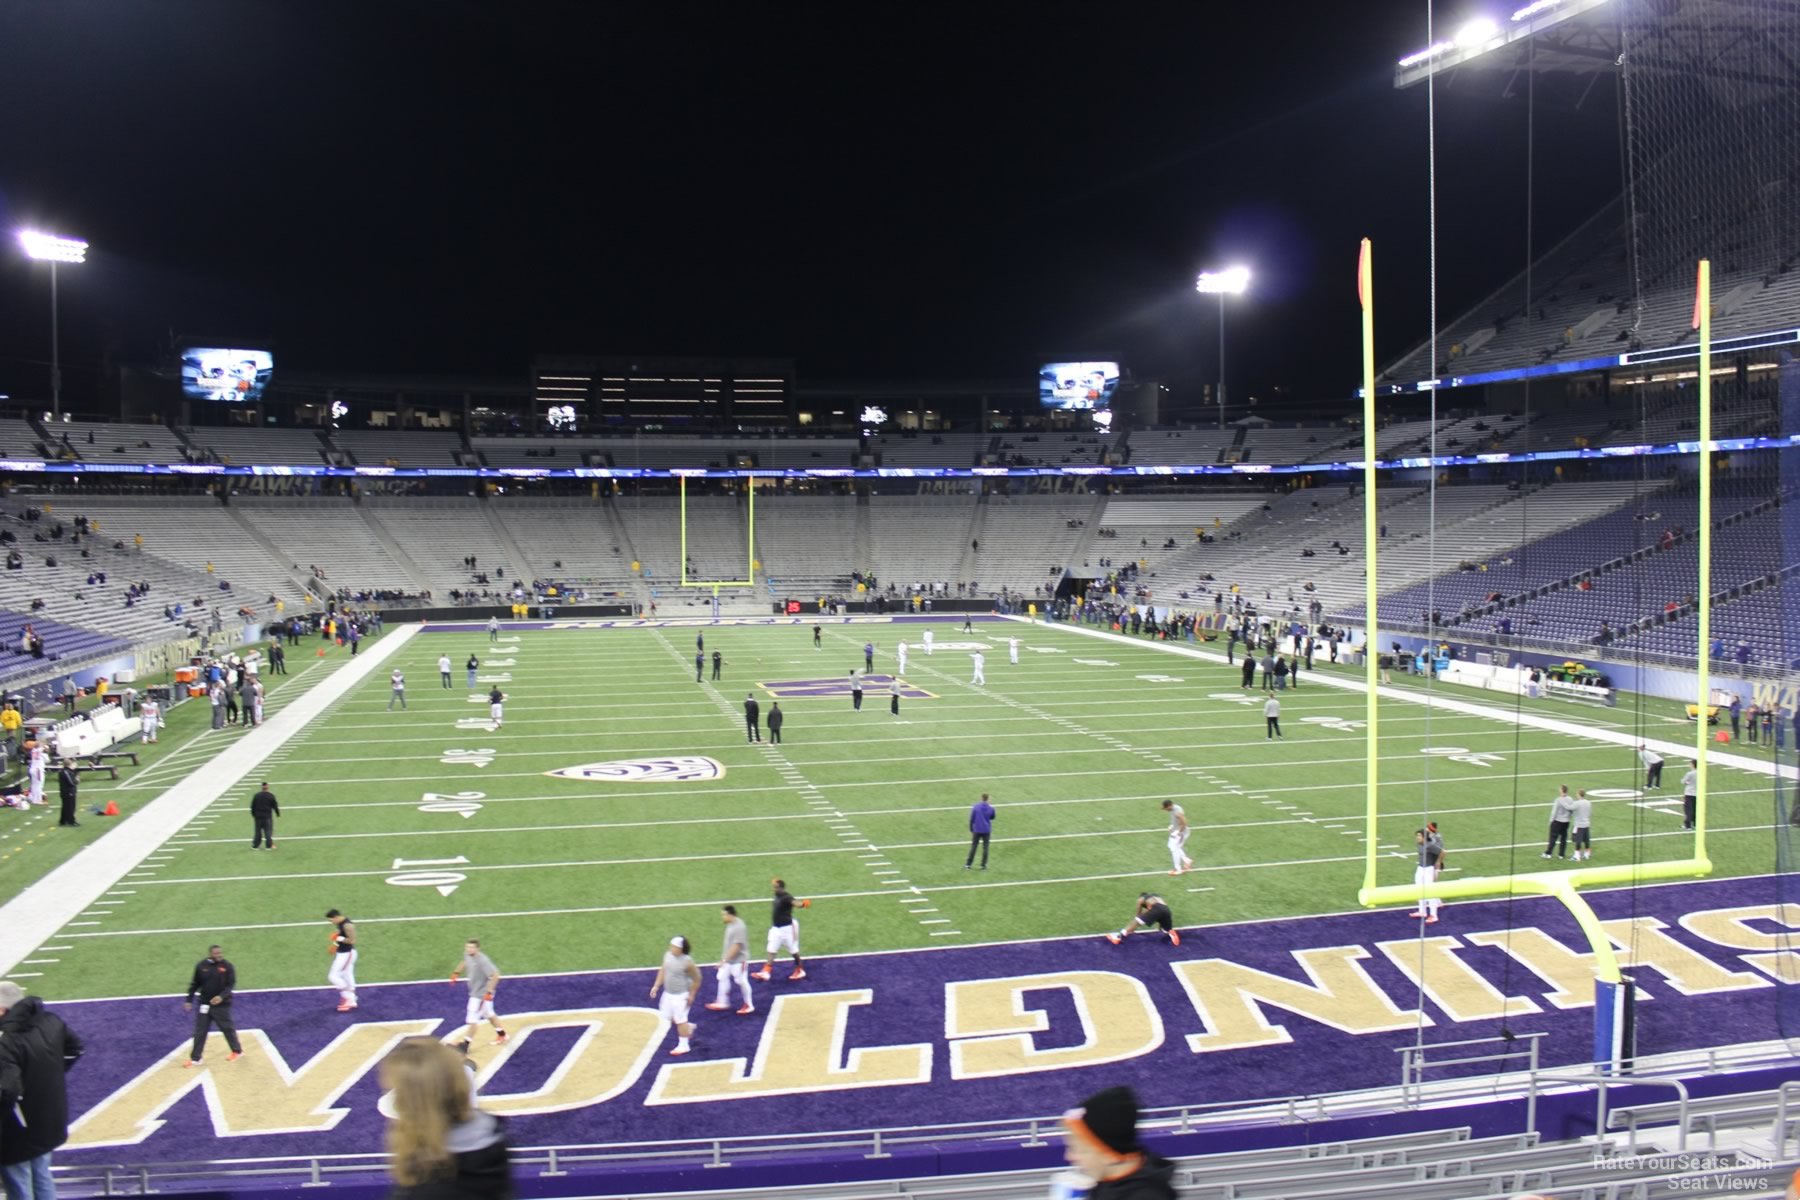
x=907, y=1005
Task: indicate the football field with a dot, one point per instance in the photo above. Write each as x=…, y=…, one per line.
x=621, y=804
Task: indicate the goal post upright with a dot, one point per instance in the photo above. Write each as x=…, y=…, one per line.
x=749, y=580
x=1703, y=591
x=1563, y=885
x=1371, y=545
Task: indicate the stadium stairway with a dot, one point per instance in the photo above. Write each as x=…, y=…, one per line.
x=517, y=561
x=381, y=533
x=970, y=565
x=302, y=584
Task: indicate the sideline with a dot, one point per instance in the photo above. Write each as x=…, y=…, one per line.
x=39, y=912
x=1529, y=720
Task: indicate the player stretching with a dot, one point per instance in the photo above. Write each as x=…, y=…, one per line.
x=784, y=932
x=484, y=977
x=1178, y=836
x=343, y=959
x=1152, y=913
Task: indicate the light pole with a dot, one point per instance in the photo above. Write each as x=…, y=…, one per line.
x=1232, y=281
x=47, y=247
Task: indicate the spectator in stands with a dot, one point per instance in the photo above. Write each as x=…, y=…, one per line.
x=1103, y=1146
x=441, y=1144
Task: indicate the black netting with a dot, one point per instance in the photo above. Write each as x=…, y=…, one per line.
x=1712, y=116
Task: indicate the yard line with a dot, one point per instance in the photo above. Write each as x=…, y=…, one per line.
x=36, y=914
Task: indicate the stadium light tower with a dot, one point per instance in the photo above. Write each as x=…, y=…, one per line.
x=1232, y=281
x=47, y=247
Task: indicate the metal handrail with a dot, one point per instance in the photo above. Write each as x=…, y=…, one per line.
x=1781, y=1117
x=1030, y=1132
x=1606, y=1081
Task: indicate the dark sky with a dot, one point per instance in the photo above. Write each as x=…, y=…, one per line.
x=879, y=190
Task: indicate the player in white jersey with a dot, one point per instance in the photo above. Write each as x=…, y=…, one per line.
x=900, y=658
x=1178, y=836
x=149, y=719
x=980, y=661
x=342, y=975
x=34, y=770
x=928, y=643
x=256, y=700
x=1012, y=651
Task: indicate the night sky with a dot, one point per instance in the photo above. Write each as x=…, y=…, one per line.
x=879, y=191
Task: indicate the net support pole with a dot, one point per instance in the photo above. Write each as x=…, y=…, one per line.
x=1365, y=291
x=681, y=481
x=1703, y=594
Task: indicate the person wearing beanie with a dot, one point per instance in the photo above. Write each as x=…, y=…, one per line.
x=1102, y=1144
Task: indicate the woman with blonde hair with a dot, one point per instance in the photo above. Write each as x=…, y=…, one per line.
x=442, y=1146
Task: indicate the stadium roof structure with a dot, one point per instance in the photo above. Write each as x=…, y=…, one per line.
x=1709, y=125
x=1585, y=40
x=1574, y=39
x=41, y=467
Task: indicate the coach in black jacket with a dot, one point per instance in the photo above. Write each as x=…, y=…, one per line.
x=264, y=808
x=36, y=1050
x=215, y=979
x=68, y=787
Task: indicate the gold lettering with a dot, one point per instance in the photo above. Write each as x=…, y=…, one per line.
x=1434, y=965
x=1643, y=943
x=1229, y=998
x=615, y=1046
x=1570, y=972
x=1118, y=1021
x=1640, y=942
x=801, y=1051
x=258, y=1094
x=1731, y=927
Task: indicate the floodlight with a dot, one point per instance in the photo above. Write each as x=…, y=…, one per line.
x=1428, y=53
x=1474, y=33
x=47, y=247
x=1231, y=281
x=1534, y=8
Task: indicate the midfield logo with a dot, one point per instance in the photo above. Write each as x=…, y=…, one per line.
x=684, y=768
x=873, y=685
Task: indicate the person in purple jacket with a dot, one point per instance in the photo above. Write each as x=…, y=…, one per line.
x=981, y=829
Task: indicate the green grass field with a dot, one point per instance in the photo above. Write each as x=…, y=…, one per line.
x=860, y=811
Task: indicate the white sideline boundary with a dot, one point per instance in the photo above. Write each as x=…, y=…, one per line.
x=1529, y=720
x=39, y=912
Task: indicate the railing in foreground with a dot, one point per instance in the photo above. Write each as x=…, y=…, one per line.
x=1414, y=1094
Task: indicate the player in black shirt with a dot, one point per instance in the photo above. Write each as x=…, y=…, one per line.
x=784, y=932
x=1152, y=913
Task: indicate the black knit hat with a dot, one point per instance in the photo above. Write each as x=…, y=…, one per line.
x=1109, y=1118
